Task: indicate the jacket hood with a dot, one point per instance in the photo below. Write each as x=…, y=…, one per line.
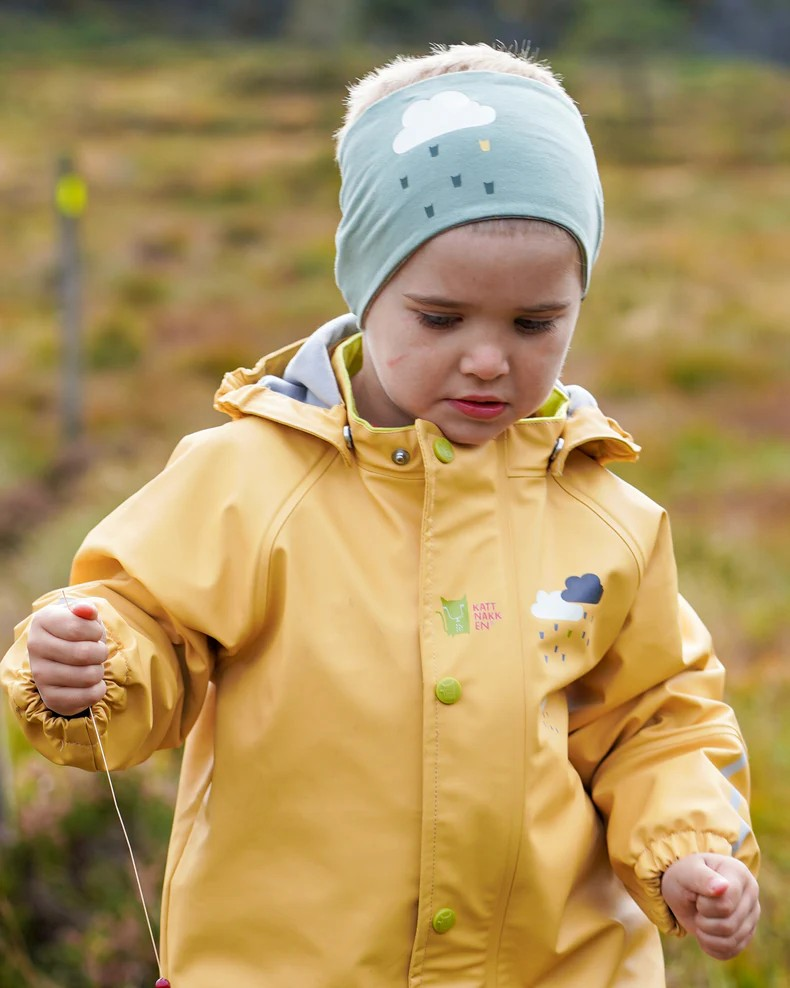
x=297, y=386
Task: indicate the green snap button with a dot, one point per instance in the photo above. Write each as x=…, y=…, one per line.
x=443, y=449
x=443, y=920
x=448, y=690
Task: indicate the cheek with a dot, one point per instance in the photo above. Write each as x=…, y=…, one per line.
x=406, y=376
x=542, y=364
x=557, y=347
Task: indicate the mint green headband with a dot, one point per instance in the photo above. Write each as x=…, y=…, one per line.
x=456, y=148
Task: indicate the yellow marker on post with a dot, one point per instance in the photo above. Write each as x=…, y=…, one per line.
x=71, y=195
x=70, y=200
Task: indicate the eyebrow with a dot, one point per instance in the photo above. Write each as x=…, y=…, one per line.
x=448, y=303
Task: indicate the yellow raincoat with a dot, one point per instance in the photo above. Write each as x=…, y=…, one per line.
x=446, y=722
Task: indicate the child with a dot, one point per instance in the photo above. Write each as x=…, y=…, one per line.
x=447, y=721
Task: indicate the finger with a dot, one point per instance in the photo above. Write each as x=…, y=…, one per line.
x=84, y=609
x=745, y=914
x=723, y=949
x=49, y=674
x=63, y=623
x=743, y=886
x=73, y=701
x=730, y=869
x=72, y=653
x=700, y=879
x=717, y=906
x=736, y=897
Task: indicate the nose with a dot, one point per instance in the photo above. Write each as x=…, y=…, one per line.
x=485, y=361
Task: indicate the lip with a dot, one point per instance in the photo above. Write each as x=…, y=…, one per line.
x=483, y=407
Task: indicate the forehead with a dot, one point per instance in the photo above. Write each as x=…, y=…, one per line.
x=497, y=252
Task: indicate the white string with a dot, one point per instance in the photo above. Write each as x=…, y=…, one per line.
x=123, y=826
x=128, y=844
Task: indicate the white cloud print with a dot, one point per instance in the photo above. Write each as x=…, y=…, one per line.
x=426, y=119
x=551, y=607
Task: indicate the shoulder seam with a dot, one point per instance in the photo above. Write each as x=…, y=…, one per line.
x=625, y=537
x=290, y=502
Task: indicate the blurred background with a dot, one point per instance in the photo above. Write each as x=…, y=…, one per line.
x=168, y=200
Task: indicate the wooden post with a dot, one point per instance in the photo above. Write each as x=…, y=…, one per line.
x=70, y=201
x=7, y=796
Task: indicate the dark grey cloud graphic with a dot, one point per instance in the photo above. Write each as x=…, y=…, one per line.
x=584, y=589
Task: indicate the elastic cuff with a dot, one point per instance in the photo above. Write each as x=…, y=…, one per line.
x=66, y=740
x=654, y=861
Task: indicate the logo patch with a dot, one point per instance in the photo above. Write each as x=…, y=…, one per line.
x=458, y=619
x=455, y=616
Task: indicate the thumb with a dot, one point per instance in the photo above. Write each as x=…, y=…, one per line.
x=84, y=609
x=701, y=879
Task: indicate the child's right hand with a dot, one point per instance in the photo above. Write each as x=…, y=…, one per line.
x=67, y=645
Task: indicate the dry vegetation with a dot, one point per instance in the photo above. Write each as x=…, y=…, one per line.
x=208, y=240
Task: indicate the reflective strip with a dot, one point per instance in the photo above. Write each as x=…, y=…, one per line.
x=744, y=833
x=735, y=766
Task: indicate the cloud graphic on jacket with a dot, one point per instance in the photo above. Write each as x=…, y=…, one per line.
x=448, y=111
x=551, y=607
x=585, y=589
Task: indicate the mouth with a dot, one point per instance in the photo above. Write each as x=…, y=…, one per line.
x=479, y=406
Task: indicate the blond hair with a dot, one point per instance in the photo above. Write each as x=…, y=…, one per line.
x=404, y=70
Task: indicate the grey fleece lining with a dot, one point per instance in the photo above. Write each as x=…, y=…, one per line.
x=309, y=377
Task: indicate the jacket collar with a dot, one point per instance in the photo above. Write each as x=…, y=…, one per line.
x=294, y=386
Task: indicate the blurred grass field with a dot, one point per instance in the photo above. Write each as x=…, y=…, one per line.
x=209, y=240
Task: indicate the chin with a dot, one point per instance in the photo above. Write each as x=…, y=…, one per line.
x=471, y=435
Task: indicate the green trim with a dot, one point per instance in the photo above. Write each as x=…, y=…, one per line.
x=554, y=407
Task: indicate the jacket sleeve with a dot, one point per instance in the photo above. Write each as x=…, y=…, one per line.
x=655, y=745
x=174, y=573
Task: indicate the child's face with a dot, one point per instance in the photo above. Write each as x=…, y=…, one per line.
x=471, y=333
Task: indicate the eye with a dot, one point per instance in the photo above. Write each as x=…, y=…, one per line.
x=534, y=327
x=435, y=320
